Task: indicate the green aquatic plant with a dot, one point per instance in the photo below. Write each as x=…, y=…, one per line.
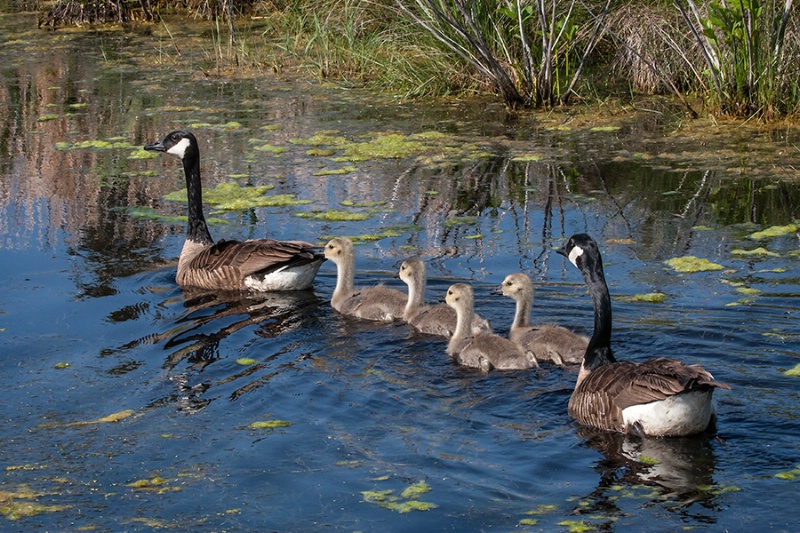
x=757, y=251
x=649, y=298
x=527, y=157
x=16, y=504
x=151, y=214
x=794, y=371
x=387, y=146
x=320, y=152
x=689, y=264
x=269, y=424
x=246, y=361
x=47, y=117
x=543, y=508
x=335, y=215
x=271, y=148
x=233, y=197
x=350, y=203
x=321, y=140
x=775, y=231
x=789, y=475
x=577, y=526
x=336, y=171
x=405, y=503
x=605, y=128
x=455, y=221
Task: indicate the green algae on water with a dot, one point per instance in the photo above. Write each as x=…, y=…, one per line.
x=789, y=475
x=350, y=203
x=269, y=424
x=47, y=117
x=466, y=220
x=576, y=526
x=775, y=231
x=334, y=215
x=405, y=503
x=246, y=361
x=336, y=171
x=649, y=298
x=689, y=264
x=271, y=148
x=794, y=371
x=757, y=251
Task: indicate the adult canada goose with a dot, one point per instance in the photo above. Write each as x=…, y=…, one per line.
x=258, y=264
x=433, y=319
x=371, y=303
x=483, y=350
x=659, y=397
x=545, y=342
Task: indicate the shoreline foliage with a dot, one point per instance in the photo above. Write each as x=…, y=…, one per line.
x=736, y=58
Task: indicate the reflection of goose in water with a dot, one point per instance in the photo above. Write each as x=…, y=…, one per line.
x=681, y=469
x=193, y=337
x=257, y=264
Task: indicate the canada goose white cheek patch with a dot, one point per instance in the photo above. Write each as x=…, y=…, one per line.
x=574, y=254
x=179, y=149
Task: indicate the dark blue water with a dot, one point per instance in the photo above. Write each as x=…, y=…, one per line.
x=124, y=406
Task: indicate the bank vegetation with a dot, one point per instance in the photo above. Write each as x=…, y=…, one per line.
x=727, y=57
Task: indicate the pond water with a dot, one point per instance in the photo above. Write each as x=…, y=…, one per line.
x=130, y=404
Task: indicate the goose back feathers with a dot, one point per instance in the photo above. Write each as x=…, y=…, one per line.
x=258, y=264
x=658, y=397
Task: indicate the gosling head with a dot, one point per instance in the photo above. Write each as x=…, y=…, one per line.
x=411, y=270
x=515, y=286
x=459, y=296
x=179, y=143
x=338, y=249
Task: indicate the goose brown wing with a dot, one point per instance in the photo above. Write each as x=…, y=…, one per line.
x=254, y=257
x=602, y=396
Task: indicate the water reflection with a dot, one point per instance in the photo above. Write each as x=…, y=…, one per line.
x=675, y=473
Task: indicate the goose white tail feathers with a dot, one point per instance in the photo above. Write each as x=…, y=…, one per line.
x=658, y=397
x=257, y=264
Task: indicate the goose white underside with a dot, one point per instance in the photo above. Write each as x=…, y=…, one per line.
x=287, y=279
x=682, y=414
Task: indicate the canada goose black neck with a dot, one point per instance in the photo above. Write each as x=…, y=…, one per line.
x=183, y=145
x=582, y=250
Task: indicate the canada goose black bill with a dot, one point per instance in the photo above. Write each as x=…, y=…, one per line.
x=545, y=342
x=658, y=397
x=258, y=264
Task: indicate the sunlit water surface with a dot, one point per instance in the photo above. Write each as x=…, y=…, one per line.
x=128, y=403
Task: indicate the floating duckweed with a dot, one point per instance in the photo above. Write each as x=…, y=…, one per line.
x=271, y=148
x=775, y=231
x=702, y=228
x=529, y=521
x=269, y=424
x=720, y=489
x=428, y=135
x=350, y=159
x=349, y=464
x=793, y=371
x=116, y=417
x=748, y=291
x=232, y=125
x=605, y=128
x=691, y=264
x=621, y=241
x=142, y=154
x=385, y=499
x=543, y=508
x=789, y=475
x=320, y=140
x=320, y=152
x=387, y=146
x=453, y=221
x=350, y=203
x=61, y=145
x=231, y=197
x=649, y=298
x=476, y=236
x=47, y=117
x=13, y=509
x=432, y=193
x=198, y=125
x=61, y=365
x=335, y=215
x=415, y=491
x=576, y=526
x=758, y=251
x=246, y=361
x=526, y=158
x=647, y=460
x=144, y=212
x=776, y=270
x=272, y=127
x=336, y=171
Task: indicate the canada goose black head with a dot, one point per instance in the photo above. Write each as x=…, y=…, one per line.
x=179, y=143
x=581, y=249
